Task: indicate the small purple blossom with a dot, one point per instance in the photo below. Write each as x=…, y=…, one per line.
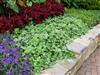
x=7, y=60
x=8, y=73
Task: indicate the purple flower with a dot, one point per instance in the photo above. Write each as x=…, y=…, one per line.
x=21, y=71
x=15, y=70
x=8, y=73
x=7, y=50
x=24, y=73
x=7, y=60
x=0, y=50
x=16, y=61
x=9, y=39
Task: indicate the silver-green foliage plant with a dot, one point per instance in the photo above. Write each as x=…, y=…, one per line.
x=46, y=42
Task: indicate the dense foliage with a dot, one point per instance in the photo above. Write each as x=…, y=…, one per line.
x=86, y=4
x=91, y=17
x=11, y=61
x=38, y=12
x=46, y=42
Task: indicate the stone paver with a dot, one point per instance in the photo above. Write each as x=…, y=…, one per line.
x=91, y=65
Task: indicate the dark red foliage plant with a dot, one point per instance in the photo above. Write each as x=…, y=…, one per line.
x=38, y=12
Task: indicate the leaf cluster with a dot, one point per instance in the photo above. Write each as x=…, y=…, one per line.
x=11, y=4
x=86, y=4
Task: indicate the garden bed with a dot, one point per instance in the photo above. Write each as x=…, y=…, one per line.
x=35, y=34
x=46, y=43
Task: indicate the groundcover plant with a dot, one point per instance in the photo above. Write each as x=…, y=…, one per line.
x=46, y=43
x=91, y=17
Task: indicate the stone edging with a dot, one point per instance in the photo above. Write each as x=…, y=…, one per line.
x=83, y=47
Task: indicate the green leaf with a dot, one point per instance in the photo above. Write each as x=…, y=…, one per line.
x=12, y=5
x=14, y=8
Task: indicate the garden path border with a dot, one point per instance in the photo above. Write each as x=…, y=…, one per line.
x=83, y=47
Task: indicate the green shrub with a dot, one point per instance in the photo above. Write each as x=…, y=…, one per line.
x=46, y=42
x=89, y=4
x=86, y=4
x=91, y=17
x=70, y=3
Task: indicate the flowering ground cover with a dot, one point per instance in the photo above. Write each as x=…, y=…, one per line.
x=11, y=61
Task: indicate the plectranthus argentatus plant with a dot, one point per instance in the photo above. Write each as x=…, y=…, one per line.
x=11, y=61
